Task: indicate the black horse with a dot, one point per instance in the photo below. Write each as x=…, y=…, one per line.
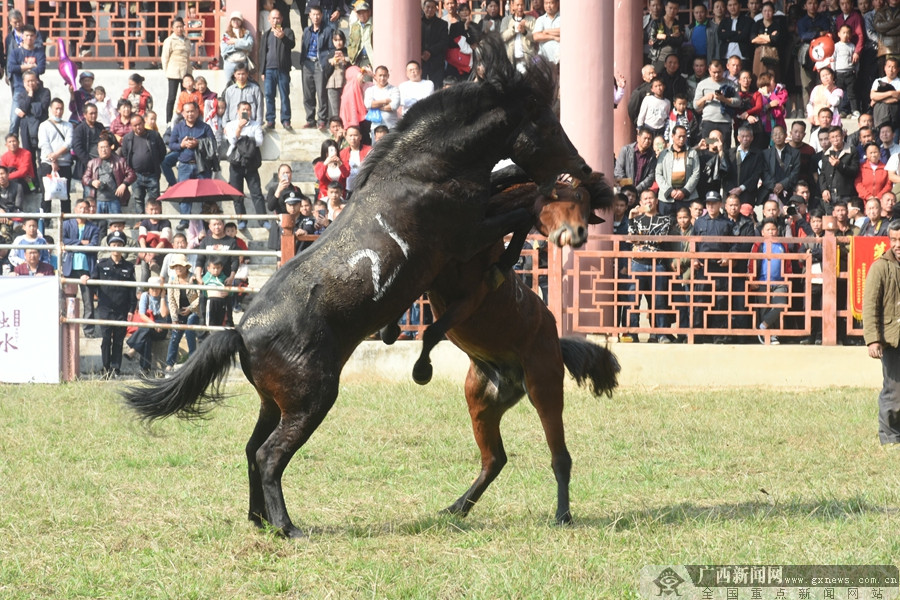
x=419, y=204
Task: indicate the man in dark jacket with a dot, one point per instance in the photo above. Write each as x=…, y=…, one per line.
x=108, y=177
x=144, y=151
x=744, y=167
x=734, y=34
x=316, y=49
x=637, y=161
x=713, y=223
x=435, y=40
x=275, y=68
x=837, y=174
x=85, y=136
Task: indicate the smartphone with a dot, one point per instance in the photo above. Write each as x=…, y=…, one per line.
x=245, y=116
x=322, y=213
x=332, y=151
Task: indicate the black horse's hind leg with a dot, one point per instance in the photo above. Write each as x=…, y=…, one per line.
x=498, y=271
x=492, y=229
x=309, y=399
x=488, y=400
x=390, y=332
x=269, y=415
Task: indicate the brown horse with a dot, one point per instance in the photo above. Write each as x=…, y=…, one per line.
x=510, y=337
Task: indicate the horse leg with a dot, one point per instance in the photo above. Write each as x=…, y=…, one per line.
x=455, y=313
x=269, y=415
x=306, y=400
x=488, y=400
x=493, y=229
x=510, y=256
x=544, y=382
x=390, y=332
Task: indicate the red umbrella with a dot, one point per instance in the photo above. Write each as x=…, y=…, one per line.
x=201, y=190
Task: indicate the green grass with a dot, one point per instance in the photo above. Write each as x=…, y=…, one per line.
x=94, y=506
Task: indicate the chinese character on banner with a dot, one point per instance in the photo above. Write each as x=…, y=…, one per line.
x=723, y=575
x=756, y=594
x=774, y=574
x=741, y=575
x=757, y=574
x=707, y=594
x=731, y=594
x=803, y=594
x=852, y=594
x=829, y=594
x=877, y=594
x=863, y=252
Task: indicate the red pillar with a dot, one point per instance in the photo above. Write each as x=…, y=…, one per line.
x=628, y=60
x=586, y=82
x=397, y=35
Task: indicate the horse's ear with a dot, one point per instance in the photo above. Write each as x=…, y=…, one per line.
x=595, y=219
x=602, y=195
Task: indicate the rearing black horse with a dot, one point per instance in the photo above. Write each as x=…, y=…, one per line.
x=419, y=204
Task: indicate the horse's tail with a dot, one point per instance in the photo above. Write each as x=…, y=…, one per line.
x=591, y=364
x=191, y=390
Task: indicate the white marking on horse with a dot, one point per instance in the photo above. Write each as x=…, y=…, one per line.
x=375, y=260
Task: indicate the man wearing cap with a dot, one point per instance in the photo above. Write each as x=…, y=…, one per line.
x=360, y=48
x=85, y=136
x=712, y=224
x=119, y=224
x=80, y=97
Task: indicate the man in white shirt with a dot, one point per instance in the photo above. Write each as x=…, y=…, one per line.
x=384, y=97
x=547, y=30
x=414, y=88
x=55, y=142
x=245, y=163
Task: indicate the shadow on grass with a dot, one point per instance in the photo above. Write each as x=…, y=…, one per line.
x=684, y=513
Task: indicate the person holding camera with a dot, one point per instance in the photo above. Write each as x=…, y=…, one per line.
x=710, y=99
x=107, y=178
x=245, y=136
x=185, y=139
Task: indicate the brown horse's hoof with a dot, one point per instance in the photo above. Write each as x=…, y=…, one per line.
x=422, y=373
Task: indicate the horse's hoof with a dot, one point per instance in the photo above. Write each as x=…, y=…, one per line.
x=292, y=533
x=564, y=519
x=422, y=373
x=455, y=511
x=390, y=333
x=257, y=519
x=495, y=277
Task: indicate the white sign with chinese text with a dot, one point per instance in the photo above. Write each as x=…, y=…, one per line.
x=29, y=330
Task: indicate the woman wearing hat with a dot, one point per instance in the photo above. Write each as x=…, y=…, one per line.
x=184, y=306
x=236, y=45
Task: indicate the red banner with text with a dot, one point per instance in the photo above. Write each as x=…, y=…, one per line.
x=863, y=252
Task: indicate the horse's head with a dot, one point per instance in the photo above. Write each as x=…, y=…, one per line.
x=537, y=141
x=565, y=214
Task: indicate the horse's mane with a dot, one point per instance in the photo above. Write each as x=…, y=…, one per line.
x=463, y=102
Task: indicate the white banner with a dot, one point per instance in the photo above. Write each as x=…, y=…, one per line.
x=29, y=330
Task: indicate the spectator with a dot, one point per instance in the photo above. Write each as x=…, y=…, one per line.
x=114, y=303
x=335, y=200
x=491, y=21
x=872, y=180
x=217, y=240
x=334, y=87
x=214, y=303
x=108, y=177
x=275, y=65
x=152, y=308
x=654, y=113
x=781, y=165
x=184, y=306
x=209, y=107
x=882, y=334
x=329, y=167
x=336, y=131
x=677, y=173
x=144, y=151
x=885, y=94
x=137, y=94
x=188, y=94
x=383, y=97
x=81, y=232
x=435, y=40
x=766, y=38
x=32, y=106
x=245, y=137
x=300, y=208
x=712, y=224
x=672, y=78
x=26, y=57
x=236, y=45
x=711, y=100
x=332, y=10
x=888, y=200
x=12, y=196
x=863, y=121
x=769, y=277
x=825, y=95
x=243, y=90
x=715, y=49
x=31, y=236
x=242, y=275
x=166, y=272
x=278, y=192
x=648, y=74
x=352, y=157
x=463, y=35
x=130, y=250
x=185, y=139
x=645, y=220
x=840, y=166
x=361, y=49
x=153, y=232
x=845, y=61
x=18, y=162
x=733, y=68
x=81, y=97
x=414, y=88
x=198, y=228
x=886, y=136
x=121, y=125
x=176, y=62
x=55, y=145
x=106, y=109
x=874, y=224
x=33, y=265
x=885, y=25
x=85, y=136
x=749, y=110
x=744, y=167
x=697, y=33
x=636, y=163
x=711, y=152
x=773, y=97
x=735, y=33
x=857, y=211
x=546, y=31
x=798, y=134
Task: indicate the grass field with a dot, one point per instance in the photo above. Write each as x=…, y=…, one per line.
x=94, y=506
